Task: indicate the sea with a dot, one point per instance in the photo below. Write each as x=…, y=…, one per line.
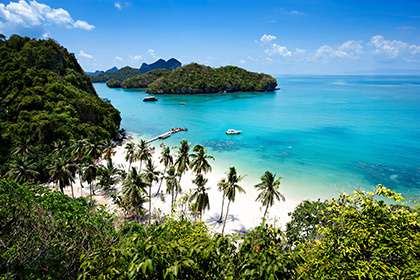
x=324, y=135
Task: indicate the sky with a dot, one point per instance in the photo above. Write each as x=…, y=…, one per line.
x=272, y=36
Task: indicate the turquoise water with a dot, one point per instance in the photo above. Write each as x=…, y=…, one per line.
x=322, y=134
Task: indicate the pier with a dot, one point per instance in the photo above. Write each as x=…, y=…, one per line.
x=167, y=134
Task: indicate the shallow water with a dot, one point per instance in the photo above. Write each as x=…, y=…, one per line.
x=322, y=134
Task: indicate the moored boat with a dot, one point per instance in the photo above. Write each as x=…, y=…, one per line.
x=232, y=131
x=150, y=99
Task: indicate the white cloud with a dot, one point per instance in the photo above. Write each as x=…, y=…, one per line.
x=276, y=49
x=349, y=49
x=84, y=54
x=121, y=5
x=267, y=38
x=118, y=58
x=29, y=14
x=137, y=57
x=118, y=5
x=295, y=13
x=393, y=48
x=242, y=61
x=151, y=53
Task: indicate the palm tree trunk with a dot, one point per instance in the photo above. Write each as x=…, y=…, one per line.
x=224, y=223
x=140, y=166
x=221, y=213
x=72, y=191
x=90, y=191
x=150, y=204
x=179, y=182
x=172, y=201
x=161, y=180
x=265, y=213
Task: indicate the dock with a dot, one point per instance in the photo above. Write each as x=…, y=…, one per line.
x=167, y=134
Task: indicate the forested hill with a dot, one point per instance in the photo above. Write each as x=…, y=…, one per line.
x=46, y=98
x=196, y=78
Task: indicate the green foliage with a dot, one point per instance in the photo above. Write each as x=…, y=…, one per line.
x=143, y=80
x=196, y=78
x=43, y=234
x=44, y=98
x=363, y=238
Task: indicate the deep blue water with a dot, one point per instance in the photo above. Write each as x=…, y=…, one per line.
x=322, y=134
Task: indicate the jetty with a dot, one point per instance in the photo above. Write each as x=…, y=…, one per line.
x=167, y=134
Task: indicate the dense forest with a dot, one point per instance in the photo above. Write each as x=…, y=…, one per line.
x=46, y=99
x=196, y=78
x=56, y=140
x=118, y=75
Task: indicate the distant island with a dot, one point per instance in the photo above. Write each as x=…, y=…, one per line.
x=194, y=78
x=126, y=72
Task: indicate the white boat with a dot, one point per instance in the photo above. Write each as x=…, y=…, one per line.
x=232, y=131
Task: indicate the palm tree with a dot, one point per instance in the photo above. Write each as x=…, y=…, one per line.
x=199, y=162
x=200, y=195
x=134, y=187
x=62, y=173
x=22, y=169
x=89, y=175
x=166, y=159
x=183, y=160
x=151, y=175
x=221, y=187
x=230, y=190
x=23, y=149
x=109, y=176
x=130, y=152
x=143, y=152
x=172, y=185
x=269, y=191
x=108, y=151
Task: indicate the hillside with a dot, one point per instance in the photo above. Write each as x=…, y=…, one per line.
x=46, y=98
x=143, y=80
x=196, y=78
x=113, y=74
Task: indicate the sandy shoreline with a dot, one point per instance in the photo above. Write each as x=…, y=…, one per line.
x=244, y=212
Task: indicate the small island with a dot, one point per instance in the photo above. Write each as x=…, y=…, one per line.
x=196, y=78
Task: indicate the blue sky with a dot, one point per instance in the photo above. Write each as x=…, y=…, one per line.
x=279, y=37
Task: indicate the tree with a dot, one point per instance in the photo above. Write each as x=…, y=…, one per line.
x=167, y=160
x=108, y=150
x=89, y=175
x=230, y=190
x=143, y=152
x=200, y=196
x=22, y=169
x=183, y=159
x=172, y=185
x=221, y=185
x=24, y=148
x=62, y=172
x=152, y=175
x=130, y=153
x=134, y=188
x=109, y=176
x=199, y=162
x=269, y=191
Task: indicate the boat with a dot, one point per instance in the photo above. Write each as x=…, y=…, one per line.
x=232, y=131
x=150, y=99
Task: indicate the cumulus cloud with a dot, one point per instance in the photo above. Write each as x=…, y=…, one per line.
x=32, y=14
x=267, y=38
x=84, y=54
x=276, y=49
x=118, y=58
x=137, y=57
x=393, y=48
x=151, y=53
x=349, y=49
x=120, y=5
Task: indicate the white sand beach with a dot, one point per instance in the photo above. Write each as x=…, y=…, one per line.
x=244, y=213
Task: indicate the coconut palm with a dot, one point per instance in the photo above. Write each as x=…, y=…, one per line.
x=134, y=188
x=22, y=169
x=183, y=159
x=109, y=176
x=269, y=191
x=143, y=152
x=151, y=175
x=165, y=159
x=230, y=190
x=130, y=152
x=199, y=162
x=62, y=172
x=200, y=196
x=23, y=149
x=172, y=185
x=108, y=151
x=221, y=187
x=89, y=175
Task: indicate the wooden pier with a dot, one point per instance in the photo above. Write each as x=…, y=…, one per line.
x=167, y=134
